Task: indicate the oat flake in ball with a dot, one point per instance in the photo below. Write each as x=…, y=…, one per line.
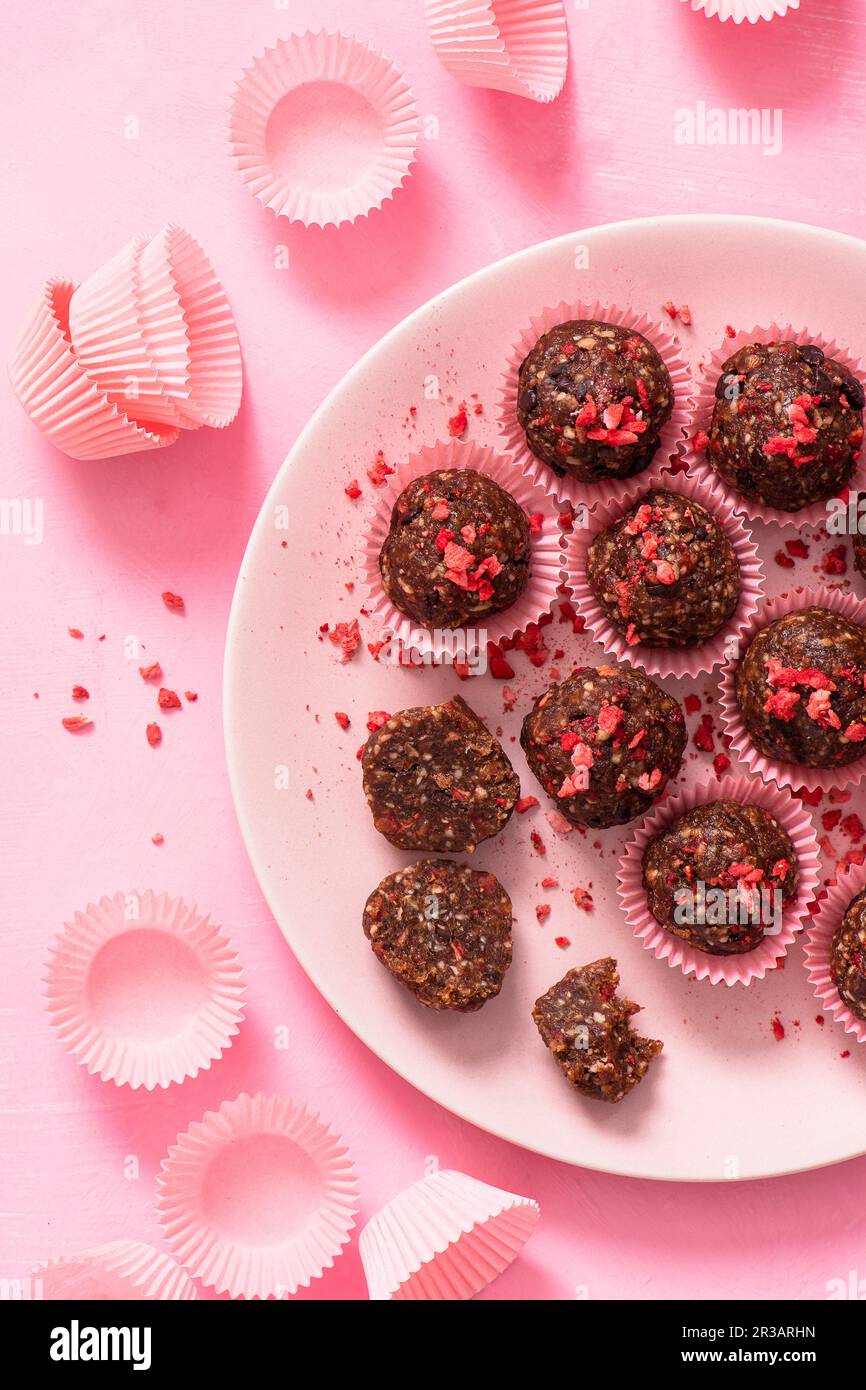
x=592, y=398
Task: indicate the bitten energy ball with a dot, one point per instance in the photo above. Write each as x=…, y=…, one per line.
x=457, y=551
x=800, y=688
x=592, y=398
x=444, y=931
x=603, y=744
x=848, y=956
x=665, y=572
x=787, y=425
x=435, y=779
x=587, y=1030
x=719, y=876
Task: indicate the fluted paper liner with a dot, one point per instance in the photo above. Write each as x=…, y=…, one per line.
x=771, y=769
x=740, y=11
x=257, y=1198
x=376, y=106
x=110, y=336
x=143, y=989
x=819, y=945
x=671, y=436
x=445, y=1238
x=517, y=46
x=120, y=1270
x=665, y=661
x=214, y=374
x=545, y=573
x=58, y=394
x=705, y=399
x=734, y=969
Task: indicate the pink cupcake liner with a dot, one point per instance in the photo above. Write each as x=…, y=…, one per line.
x=787, y=774
x=545, y=568
x=517, y=46
x=705, y=400
x=257, y=1198
x=121, y=1270
x=666, y=661
x=570, y=490
x=174, y=261
x=744, y=10
x=446, y=1238
x=323, y=128
x=144, y=990
x=819, y=942
x=729, y=970
x=61, y=398
x=108, y=334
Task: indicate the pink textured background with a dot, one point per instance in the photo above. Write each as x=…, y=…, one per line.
x=79, y=813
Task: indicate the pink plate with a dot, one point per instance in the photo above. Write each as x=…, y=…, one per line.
x=726, y=1099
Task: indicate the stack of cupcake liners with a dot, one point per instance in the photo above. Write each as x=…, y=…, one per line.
x=144, y=348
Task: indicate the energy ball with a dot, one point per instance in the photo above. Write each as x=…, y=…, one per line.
x=848, y=956
x=604, y=743
x=787, y=426
x=444, y=931
x=665, y=572
x=435, y=779
x=587, y=1030
x=800, y=688
x=457, y=551
x=713, y=875
x=592, y=398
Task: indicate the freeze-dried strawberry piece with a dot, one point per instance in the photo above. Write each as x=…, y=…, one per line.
x=457, y=557
x=347, y=637
x=782, y=704
x=352, y=489
x=167, y=699
x=172, y=600
x=80, y=693
x=74, y=723
x=525, y=803
x=457, y=424
x=154, y=735
x=542, y=910
x=342, y=718
x=151, y=673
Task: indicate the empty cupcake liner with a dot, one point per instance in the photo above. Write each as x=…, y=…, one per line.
x=121, y=1270
x=174, y=260
x=819, y=944
x=570, y=490
x=518, y=46
x=257, y=1198
x=770, y=769
x=705, y=400
x=729, y=970
x=446, y=1238
x=143, y=989
x=108, y=333
x=61, y=398
x=446, y=645
x=741, y=11
x=323, y=128
x=666, y=661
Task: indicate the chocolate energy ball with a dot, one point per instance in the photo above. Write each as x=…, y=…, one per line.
x=800, y=688
x=787, y=425
x=665, y=572
x=848, y=956
x=587, y=1030
x=603, y=744
x=457, y=551
x=725, y=845
x=444, y=931
x=592, y=398
x=435, y=779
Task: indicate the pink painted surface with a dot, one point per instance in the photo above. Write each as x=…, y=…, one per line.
x=79, y=1158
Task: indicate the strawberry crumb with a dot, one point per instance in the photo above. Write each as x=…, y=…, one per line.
x=703, y=735
x=542, y=910
x=74, y=723
x=347, y=637
x=525, y=804
x=497, y=665
x=172, y=600
x=457, y=424
x=783, y=560
x=79, y=693
x=537, y=843
x=75, y=632
x=342, y=719
x=582, y=899
x=157, y=838
x=191, y=695
x=352, y=489
x=721, y=763
x=778, y=1029
x=151, y=673
x=562, y=942
x=167, y=699
x=693, y=704
x=154, y=735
